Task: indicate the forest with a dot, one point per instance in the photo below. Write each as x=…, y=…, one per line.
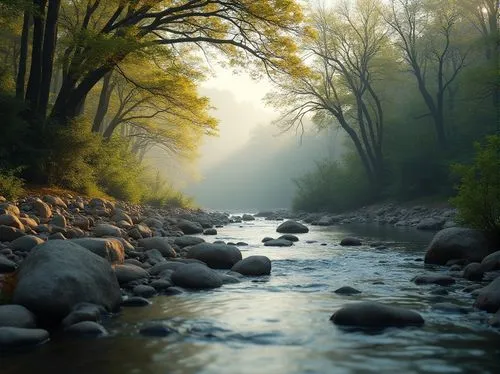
x=88, y=87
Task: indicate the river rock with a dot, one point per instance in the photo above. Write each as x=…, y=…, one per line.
x=129, y=273
x=431, y=223
x=6, y=265
x=441, y=279
x=217, y=256
x=350, y=242
x=186, y=241
x=495, y=320
x=289, y=237
x=105, y=229
x=375, y=315
x=473, y=272
x=159, y=243
x=25, y=243
x=83, y=312
x=253, y=266
x=153, y=256
x=59, y=274
x=54, y=201
x=145, y=291
x=189, y=227
x=156, y=329
x=248, y=217
x=42, y=209
x=109, y=248
x=491, y=262
x=16, y=316
x=8, y=233
x=86, y=329
x=196, y=276
x=58, y=220
x=11, y=220
x=121, y=215
x=292, y=227
x=17, y=337
x=135, y=301
x=210, y=232
x=278, y=243
x=489, y=297
x=10, y=209
x=266, y=239
x=161, y=284
x=167, y=265
x=456, y=243
x=347, y=290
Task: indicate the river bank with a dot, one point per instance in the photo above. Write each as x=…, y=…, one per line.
x=147, y=254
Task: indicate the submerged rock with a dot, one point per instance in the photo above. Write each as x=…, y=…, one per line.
x=278, y=243
x=375, y=315
x=347, y=290
x=442, y=280
x=216, y=256
x=196, y=276
x=292, y=227
x=86, y=329
x=350, y=241
x=253, y=266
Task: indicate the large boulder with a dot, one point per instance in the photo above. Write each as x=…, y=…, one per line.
x=292, y=227
x=491, y=262
x=196, y=276
x=217, y=256
x=189, y=227
x=489, y=297
x=457, y=243
x=375, y=315
x=253, y=265
x=59, y=274
x=160, y=243
x=108, y=248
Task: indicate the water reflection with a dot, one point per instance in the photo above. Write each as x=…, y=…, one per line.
x=280, y=324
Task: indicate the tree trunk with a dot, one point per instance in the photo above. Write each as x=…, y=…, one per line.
x=33, y=89
x=23, y=56
x=49, y=46
x=103, y=106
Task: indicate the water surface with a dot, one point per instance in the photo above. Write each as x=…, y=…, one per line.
x=280, y=323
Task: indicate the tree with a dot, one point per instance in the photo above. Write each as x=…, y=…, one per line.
x=155, y=102
x=105, y=33
x=347, y=54
x=425, y=33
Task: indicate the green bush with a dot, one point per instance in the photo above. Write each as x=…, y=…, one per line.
x=478, y=198
x=333, y=187
x=11, y=186
x=159, y=193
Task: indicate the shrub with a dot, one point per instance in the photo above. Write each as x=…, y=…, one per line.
x=11, y=186
x=333, y=187
x=478, y=198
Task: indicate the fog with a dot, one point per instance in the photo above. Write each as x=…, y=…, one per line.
x=251, y=165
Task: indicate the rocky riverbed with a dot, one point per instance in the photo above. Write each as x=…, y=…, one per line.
x=68, y=263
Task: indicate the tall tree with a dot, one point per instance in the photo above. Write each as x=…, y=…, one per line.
x=350, y=43
x=425, y=36
x=107, y=32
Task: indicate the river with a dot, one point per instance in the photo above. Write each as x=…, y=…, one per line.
x=280, y=324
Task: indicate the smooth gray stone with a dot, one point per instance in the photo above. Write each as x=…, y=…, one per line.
x=16, y=337
x=86, y=329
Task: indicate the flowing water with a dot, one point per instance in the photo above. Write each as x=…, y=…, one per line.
x=280, y=323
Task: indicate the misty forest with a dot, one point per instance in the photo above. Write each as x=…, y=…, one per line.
x=249, y=186
x=90, y=88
